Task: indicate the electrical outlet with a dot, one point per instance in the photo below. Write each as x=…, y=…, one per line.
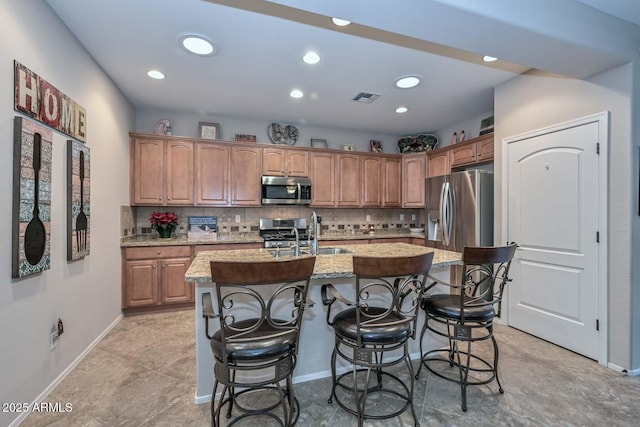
x=237, y=218
x=53, y=339
x=401, y=217
x=413, y=217
x=368, y=218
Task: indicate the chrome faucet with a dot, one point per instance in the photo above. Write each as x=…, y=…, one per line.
x=296, y=249
x=314, y=230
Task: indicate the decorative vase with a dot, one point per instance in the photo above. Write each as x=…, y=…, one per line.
x=165, y=231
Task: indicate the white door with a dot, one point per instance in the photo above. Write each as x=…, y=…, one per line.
x=553, y=208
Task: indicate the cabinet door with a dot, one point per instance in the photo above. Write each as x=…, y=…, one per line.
x=348, y=180
x=322, y=179
x=141, y=283
x=179, y=173
x=371, y=182
x=484, y=149
x=148, y=172
x=212, y=174
x=413, y=175
x=273, y=161
x=392, y=182
x=245, y=176
x=463, y=155
x=297, y=163
x=438, y=164
x=173, y=286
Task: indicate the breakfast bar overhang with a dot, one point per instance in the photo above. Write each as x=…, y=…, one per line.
x=316, y=340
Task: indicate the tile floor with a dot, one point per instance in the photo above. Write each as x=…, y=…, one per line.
x=142, y=374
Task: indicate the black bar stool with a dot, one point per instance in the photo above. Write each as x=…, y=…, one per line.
x=372, y=334
x=465, y=316
x=259, y=309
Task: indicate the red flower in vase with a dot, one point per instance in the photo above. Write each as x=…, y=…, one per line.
x=163, y=220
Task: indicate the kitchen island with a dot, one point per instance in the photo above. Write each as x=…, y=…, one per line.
x=316, y=339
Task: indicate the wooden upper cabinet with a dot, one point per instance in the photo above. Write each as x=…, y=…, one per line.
x=245, y=176
x=283, y=162
x=476, y=150
x=371, y=181
x=414, y=167
x=212, y=174
x=179, y=173
x=484, y=148
x=147, y=166
x=322, y=168
x=392, y=182
x=162, y=172
x=348, y=180
x=438, y=163
x=462, y=155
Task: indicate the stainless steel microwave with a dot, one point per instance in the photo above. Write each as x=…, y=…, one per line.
x=280, y=190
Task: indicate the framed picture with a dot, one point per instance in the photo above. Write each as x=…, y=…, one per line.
x=376, y=146
x=319, y=143
x=241, y=137
x=486, y=126
x=208, y=130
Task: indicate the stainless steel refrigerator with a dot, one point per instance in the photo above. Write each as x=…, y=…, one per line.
x=459, y=210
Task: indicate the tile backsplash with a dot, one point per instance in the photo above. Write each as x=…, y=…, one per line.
x=332, y=219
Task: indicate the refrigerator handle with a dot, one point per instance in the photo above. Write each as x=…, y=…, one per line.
x=449, y=213
x=445, y=213
x=442, y=220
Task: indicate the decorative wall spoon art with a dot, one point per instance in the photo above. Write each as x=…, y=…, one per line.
x=31, y=228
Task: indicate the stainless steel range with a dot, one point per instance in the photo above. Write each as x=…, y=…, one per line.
x=278, y=232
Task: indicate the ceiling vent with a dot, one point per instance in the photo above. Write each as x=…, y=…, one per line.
x=366, y=97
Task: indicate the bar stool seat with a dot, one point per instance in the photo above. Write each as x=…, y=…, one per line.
x=386, y=328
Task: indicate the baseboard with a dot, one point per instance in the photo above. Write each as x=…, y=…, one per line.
x=66, y=372
x=630, y=372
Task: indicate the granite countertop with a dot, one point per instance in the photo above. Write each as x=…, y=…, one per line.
x=327, y=266
x=254, y=237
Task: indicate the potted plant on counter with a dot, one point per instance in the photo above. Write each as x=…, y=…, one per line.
x=164, y=223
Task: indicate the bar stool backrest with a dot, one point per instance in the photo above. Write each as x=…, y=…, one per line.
x=485, y=275
x=252, y=295
x=393, y=286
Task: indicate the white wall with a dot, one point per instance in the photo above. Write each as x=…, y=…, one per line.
x=533, y=101
x=186, y=124
x=84, y=293
x=471, y=128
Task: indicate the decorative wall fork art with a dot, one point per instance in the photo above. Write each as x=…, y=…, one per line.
x=31, y=228
x=78, y=200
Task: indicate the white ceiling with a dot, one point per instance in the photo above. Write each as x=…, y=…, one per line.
x=261, y=44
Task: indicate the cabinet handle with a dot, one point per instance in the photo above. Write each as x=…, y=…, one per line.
x=159, y=252
x=153, y=266
x=164, y=265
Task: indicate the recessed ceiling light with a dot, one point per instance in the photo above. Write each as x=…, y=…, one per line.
x=401, y=110
x=311, y=57
x=408, y=82
x=197, y=45
x=488, y=58
x=155, y=74
x=340, y=22
x=296, y=93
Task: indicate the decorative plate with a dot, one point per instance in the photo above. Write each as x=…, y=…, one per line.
x=417, y=144
x=279, y=134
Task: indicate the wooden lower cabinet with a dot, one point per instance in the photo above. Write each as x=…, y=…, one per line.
x=153, y=277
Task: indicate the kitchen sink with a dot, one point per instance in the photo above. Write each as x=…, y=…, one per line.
x=332, y=251
x=305, y=251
